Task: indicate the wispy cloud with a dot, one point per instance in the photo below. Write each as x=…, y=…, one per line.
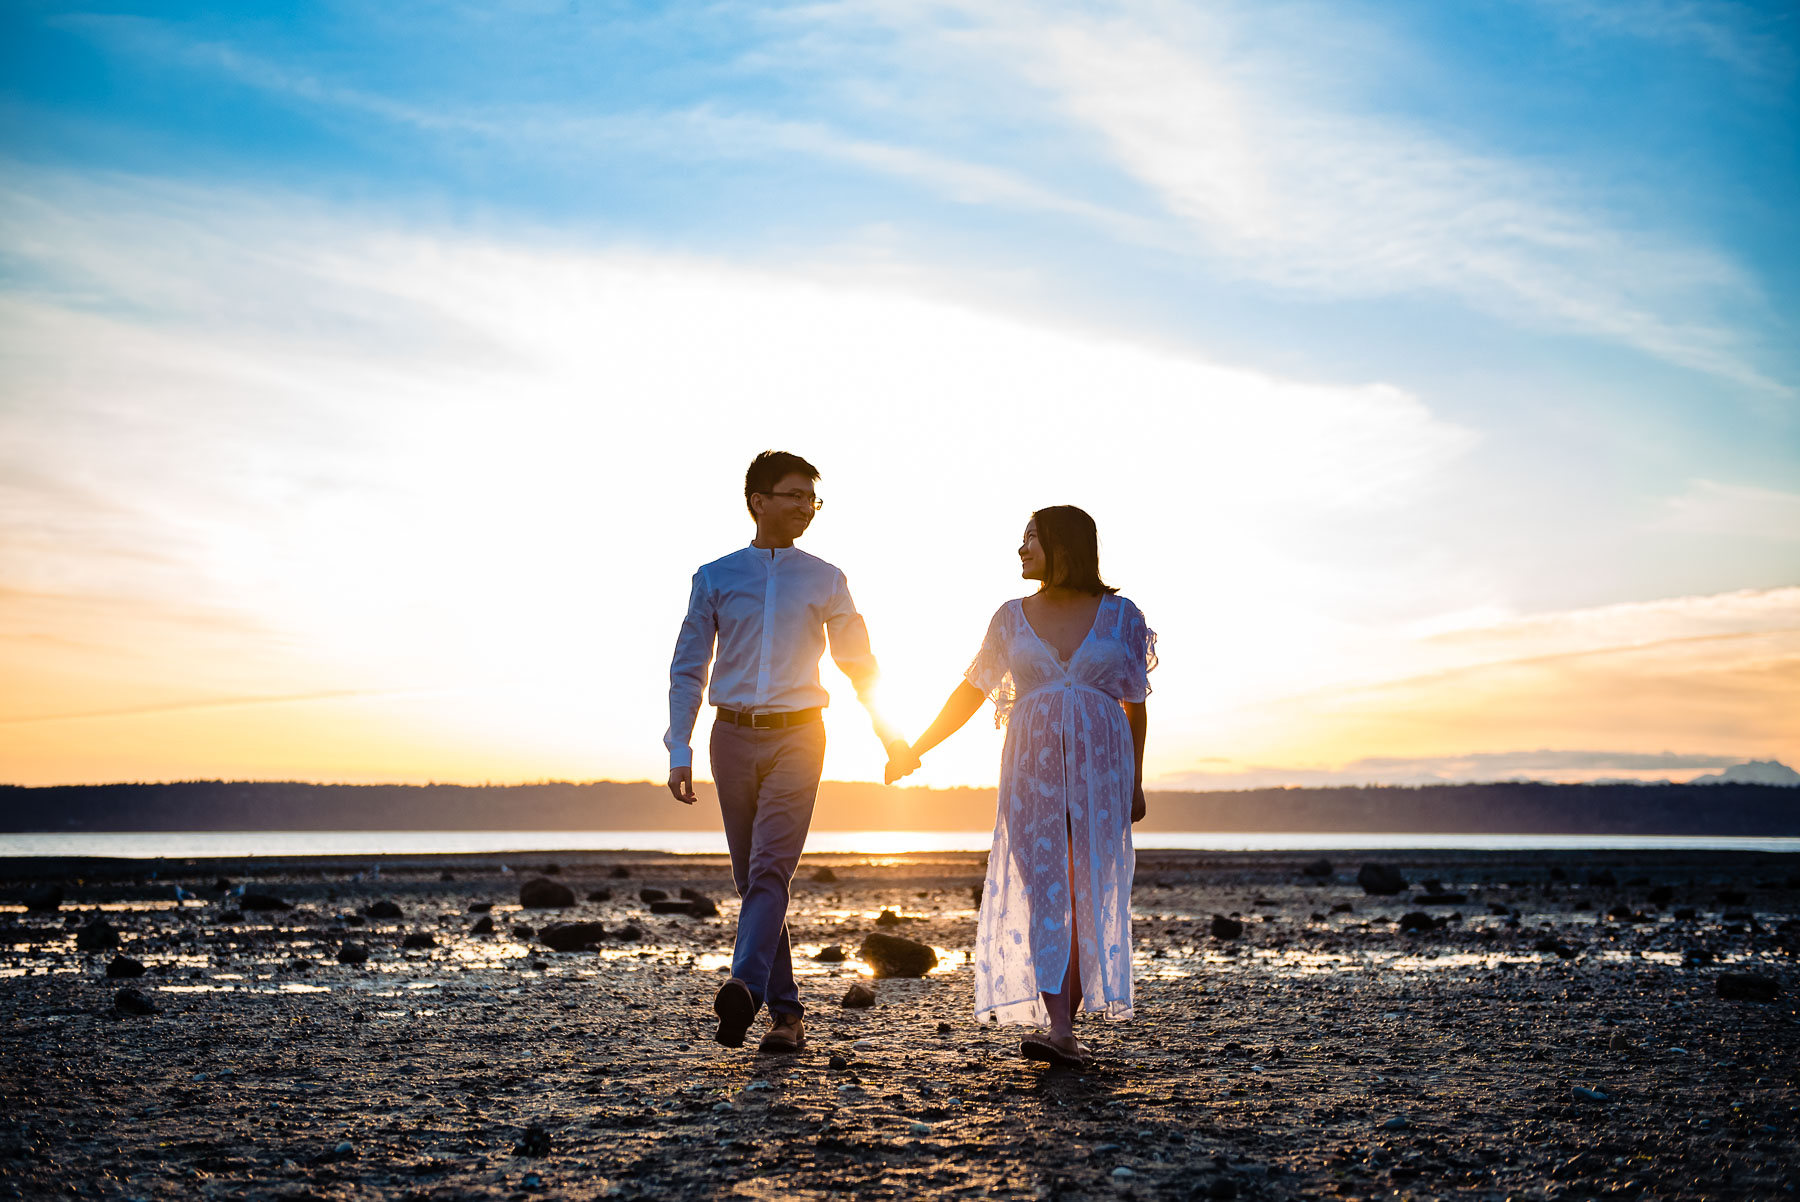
x=1733, y=511
x=1735, y=35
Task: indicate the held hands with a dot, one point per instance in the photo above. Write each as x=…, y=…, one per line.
x=681, y=784
x=901, y=761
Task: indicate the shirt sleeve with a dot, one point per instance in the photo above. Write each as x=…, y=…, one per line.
x=990, y=670
x=1140, y=650
x=851, y=652
x=687, y=672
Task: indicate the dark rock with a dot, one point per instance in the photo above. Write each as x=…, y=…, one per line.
x=599, y=895
x=1225, y=928
x=1686, y=914
x=523, y=931
x=693, y=909
x=629, y=933
x=1696, y=957
x=830, y=955
x=131, y=1000
x=1439, y=899
x=49, y=898
x=1380, y=880
x=571, y=936
x=691, y=893
x=418, y=939
x=620, y=873
x=1342, y=908
x=858, y=997
x=446, y=875
x=892, y=956
x=222, y=885
x=355, y=920
x=1551, y=944
x=1498, y=910
x=1748, y=987
x=534, y=1142
x=382, y=909
x=824, y=876
x=838, y=1061
x=703, y=907
x=352, y=953
x=551, y=869
x=540, y=894
x=480, y=907
x=944, y=1028
x=647, y=894
x=1602, y=880
x=888, y=918
x=1318, y=868
x=238, y=916
x=263, y=901
x=1417, y=920
x=125, y=966
x=96, y=936
x=1661, y=896
x=1733, y=897
x=483, y=926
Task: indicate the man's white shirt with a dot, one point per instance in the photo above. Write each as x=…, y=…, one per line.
x=770, y=612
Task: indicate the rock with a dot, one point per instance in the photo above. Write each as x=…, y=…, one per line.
x=1661, y=896
x=540, y=894
x=96, y=936
x=944, y=1028
x=345, y=1150
x=858, y=997
x=125, y=966
x=571, y=936
x=629, y=933
x=1342, y=908
x=887, y=918
x=264, y=902
x=893, y=956
x=918, y=1128
x=483, y=926
x=1696, y=957
x=1317, y=869
x=647, y=894
x=418, y=939
x=599, y=895
x=1439, y=899
x=620, y=873
x=1602, y=880
x=837, y=1061
x=1417, y=920
x=224, y=885
x=1733, y=897
x=1123, y=1173
x=1398, y=1123
x=383, y=909
x=350, y=920
x=1585, y=1093
x=551, y=869
x=352, y=953
x=49, y=898
x=701, y=908
x=1550, y=943
x=830, y=955
x=824, y=876
x=523, y=931
x=480, y=907
x=534, y=1142
x=1620, y=1042
x=1225, y=928
x=1380, y=880
x=131, y=1000
x=1748, y=987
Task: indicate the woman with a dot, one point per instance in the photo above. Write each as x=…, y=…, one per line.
x=1067, y=669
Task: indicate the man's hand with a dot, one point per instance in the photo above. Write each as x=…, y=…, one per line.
x=681, y=784
x=1137, y=802
x=901, y=761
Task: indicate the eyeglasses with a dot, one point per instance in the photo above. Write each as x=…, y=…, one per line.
x=804, y=497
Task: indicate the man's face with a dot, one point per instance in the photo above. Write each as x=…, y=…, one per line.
x=787, y=509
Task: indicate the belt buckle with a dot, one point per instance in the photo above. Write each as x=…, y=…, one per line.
x=757, y=722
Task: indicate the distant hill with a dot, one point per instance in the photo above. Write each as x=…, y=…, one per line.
x=1521, y=807
x=1755, y=772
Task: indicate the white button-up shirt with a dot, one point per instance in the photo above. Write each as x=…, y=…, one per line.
x=770, y=611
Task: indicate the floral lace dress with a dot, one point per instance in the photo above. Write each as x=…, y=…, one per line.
x=1066, y=773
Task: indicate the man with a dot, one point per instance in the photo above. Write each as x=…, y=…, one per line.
x=770, y=608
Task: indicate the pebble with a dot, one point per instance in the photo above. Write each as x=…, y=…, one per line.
x=352, y=953
x=837, y=1061
x=757, y=1086
x=1585, y=1094
x=1380, y=880
x=419, y=939
x=483, y=926
x=832, y=954
x=344, y=1150
x=858, y=997
x=125, y=966
x=263, y=901
x=1122, y=1173
x=824, y=876
x=131, y=1000
x=722, y=1107
x=1398, y=1123
x=1225, y=928
x=541, y=894
x=920, y=1129
x=383, y=909
x=96, y=936
x=862, y=1045
x=893, y=956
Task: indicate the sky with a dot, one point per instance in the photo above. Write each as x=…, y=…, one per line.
x=374, y=377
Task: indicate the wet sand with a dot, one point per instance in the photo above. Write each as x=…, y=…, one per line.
x=1525, y=1045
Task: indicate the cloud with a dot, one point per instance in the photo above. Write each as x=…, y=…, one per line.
x=1728, y=33
x=1733, y=511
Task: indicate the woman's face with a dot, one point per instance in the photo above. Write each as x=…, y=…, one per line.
x=1031, y=555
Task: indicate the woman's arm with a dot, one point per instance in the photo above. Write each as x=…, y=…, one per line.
x=959, y=707
x=1138, y=716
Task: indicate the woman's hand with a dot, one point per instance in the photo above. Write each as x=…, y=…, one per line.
x=1137, y=801
x=901, y=761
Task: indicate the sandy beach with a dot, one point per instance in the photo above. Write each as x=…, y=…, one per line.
x=1545, y=1025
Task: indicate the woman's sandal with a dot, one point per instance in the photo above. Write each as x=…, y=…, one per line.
x=1039, y=1047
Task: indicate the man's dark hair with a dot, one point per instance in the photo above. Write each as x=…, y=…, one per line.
x=769, y=468
x=1071, y=549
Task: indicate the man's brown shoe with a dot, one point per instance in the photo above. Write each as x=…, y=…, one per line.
x=787, y=1035
x=735, y=1008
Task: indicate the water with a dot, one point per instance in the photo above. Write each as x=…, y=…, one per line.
x=144, y=845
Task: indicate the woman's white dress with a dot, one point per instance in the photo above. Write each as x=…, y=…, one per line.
x=1066, y=771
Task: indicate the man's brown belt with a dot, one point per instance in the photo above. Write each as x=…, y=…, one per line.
x=771, y=721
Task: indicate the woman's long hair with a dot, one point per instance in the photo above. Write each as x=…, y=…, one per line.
x=1071, y=546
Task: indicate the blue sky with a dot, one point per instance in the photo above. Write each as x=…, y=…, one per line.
x=1535, y=260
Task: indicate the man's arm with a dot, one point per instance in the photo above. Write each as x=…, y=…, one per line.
x=1139, y=718
x=687, y=685
x=850, y=651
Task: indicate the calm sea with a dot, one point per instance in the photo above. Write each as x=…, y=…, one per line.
x=141, y=845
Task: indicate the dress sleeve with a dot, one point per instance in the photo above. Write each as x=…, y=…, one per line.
x=991, y=672
x=1140, y=651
